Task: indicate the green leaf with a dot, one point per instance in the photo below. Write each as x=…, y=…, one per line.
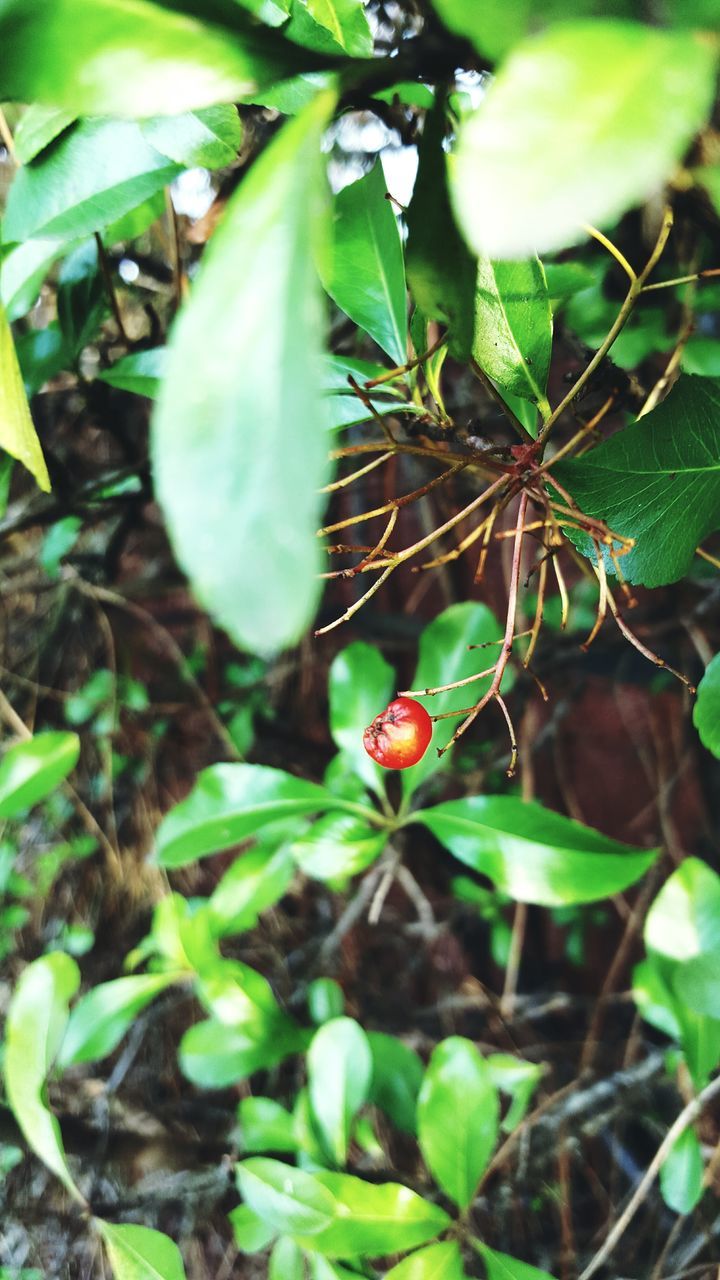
x=684, y=919
x=681, y=1174
x=139, y=1253
x=697, y=983
x=337, y=847
x=141, y=372
x=360, y=685
x=517, y=1078
x=254, y=882
x=137, y=221
x=240, y=412
x=440, y=267
x=321, y=1269
x=135, y=58
x=331, y=25
x=533, y=854
x=34, y=1029
x=397, y=1076
x=366, y=277
x=339, y=1064
x=252, y=1235
x=437, y=1262
x=657, y=481
x=500, y=1266
x=493, y=27
x=42, y=354
x=701, y=356
x=458, y=1118
x=101, y=1018
x=325, y=1000
x=581, y=124
x=513, y=327
x=22, y=271
x=286, y=1261
x=373, y=1220
x=444, y=657
x=30, y=770
x=96, y=172
x=706, y=712
x=214, y=1055
x=265, y=1126
x=18, y=436
x=37, y=128
x=285, y=1198
x=230, y=802
x=209, y=138
x=81, y=298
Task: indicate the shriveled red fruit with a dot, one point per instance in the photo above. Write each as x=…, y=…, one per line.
x=400, y=735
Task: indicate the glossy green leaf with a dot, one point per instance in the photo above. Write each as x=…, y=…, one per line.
x=360, y=685
x=337, y=847
x=373, y=1220
x=288, y=1199
x=440, y=267
x=517, y=1078
x=134, y=57
x=96, y=172
x=34, y=1029
x=230, y=802
x=657, y=481
x=684, y=919
x=140, y=1253
x=136, y=221
x=706, y=712
x=37, y=128
x=254, y=882
x=41, y=354
x=22, y=271
x=325, y=1000
x=339, y=1064
x=581, y=123
x=681, y=1174
x=240, y=412
x=458, y=1118
x=445, y=657
x=58, y=542
x=396, y=1079
x=322, y=1269
x=533, y=854
x=214, y=1055
x=513, y=327
x=18, y=436
x=265, y=1126
x=697, y=983
x=81, y=298
x=209, y=138
x=437, y=1262
x=30, y=770
x=101, y=1018
x=330, y=26
x=366, y=277
x=141, y=372
x=251, y=1233
x=286, y=1261
x=240, y=997
x=500, y=1266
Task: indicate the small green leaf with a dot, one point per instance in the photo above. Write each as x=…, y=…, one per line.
x=325, y=1000
x=681, y=1175
x=214, y=1055
x=141, y=372
x=706, y=712
x=101, y=1018
x=581, y=123
x=533, y=854
x=397, y=1076
x=500, y=1266
x=339, y=1064
x=286, y=1261
x=139, y=1253
x=240, y=413
x=37, y=128
x=58, y=542
x=254, y=882
x=230, y=802
x=18, y=436
x=284, y=1197
x=684, y=919
x=458, y=1117
x=517, y=1078
x=513, y=327
x=437, y=1262
x=22, y=271
x=373, y=1220
x=367, y=275
x=360, y=685
x=252, y=1235
x=337, y=847
x=209, y=138
x=35, y=1025
x=30, y=770
x=265, y=1126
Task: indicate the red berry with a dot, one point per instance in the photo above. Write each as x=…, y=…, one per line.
x=400, y=735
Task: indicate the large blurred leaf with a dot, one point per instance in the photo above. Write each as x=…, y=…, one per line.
x=445, y=657
x=658, y=481
x=580, y=124
x=533, y=854
x=33, y=1032
x=458, y=1117
x=37, y=128
x=101, y=1018
x=22, y=271
x=30, y=770
x=214, y=1055
x=367, y=276
x=684, y=920
x=140, y=1253
x=286, y=1198
x=230, y=802
x=96, y=172
x=437, y=1262
x=374, y=1220
x=254, y=882
x=706, y=712
x=338, y=846
x=513, y=327
x=396, y=1079
x=681, y=1175
x=265, y=1126
x=339, y=1064
x=18, y=436
x=361, y=683
x=331, y=26
x=134, y=57
x=240, y=417
x=209, y=138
